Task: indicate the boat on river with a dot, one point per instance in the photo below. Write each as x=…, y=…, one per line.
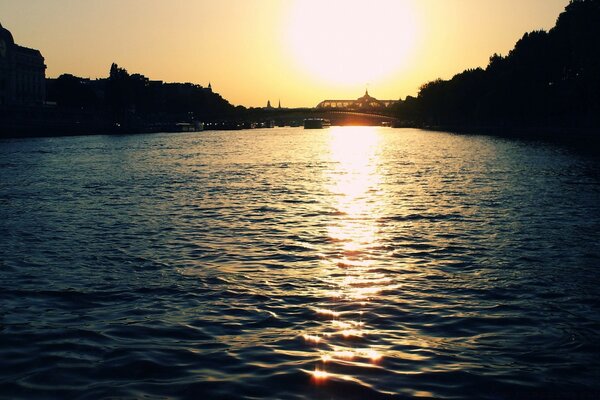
x=316, y=123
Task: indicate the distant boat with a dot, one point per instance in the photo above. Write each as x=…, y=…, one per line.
x=189, y=127
x=316, y=123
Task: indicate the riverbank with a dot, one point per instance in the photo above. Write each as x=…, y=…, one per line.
x=571, y=136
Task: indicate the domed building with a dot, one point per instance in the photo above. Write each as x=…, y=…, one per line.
x=22, y=73
x=365, y=102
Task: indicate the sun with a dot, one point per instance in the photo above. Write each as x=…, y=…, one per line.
x=349, y=42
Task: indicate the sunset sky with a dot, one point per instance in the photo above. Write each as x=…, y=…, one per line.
x=301, y=51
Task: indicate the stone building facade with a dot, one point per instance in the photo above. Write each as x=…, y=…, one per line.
x=22, y=73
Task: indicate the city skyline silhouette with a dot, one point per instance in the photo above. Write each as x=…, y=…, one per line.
x=301, y=52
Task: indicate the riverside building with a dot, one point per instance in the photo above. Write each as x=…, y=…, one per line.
x=22, y=73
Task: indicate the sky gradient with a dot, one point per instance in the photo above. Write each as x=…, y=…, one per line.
x=301, y=51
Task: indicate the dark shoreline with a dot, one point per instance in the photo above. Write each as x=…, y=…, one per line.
x=573, y=137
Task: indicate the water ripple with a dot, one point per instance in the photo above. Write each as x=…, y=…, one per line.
x=349, y=263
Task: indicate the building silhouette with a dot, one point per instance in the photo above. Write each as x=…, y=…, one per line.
x=362, y=103
x=22, y=73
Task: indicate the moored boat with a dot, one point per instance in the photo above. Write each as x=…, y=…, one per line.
x=316, y=123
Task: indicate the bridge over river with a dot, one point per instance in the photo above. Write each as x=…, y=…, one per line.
x=337, y=117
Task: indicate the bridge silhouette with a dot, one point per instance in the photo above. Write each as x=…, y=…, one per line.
x=366, y=117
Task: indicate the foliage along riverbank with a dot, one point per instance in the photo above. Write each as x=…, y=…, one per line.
x=548, y=85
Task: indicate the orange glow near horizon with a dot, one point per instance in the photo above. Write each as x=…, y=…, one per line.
x=299, y=51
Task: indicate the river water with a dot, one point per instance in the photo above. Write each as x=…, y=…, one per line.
x=346, y=263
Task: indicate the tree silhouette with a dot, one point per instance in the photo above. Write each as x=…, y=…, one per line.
x=548, y=80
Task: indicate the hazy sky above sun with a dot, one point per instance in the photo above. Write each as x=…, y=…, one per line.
x=299, y=51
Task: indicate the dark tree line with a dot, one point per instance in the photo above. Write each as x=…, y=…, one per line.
x=124, y=97
x=550, y=79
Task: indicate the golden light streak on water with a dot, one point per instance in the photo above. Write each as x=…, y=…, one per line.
x=326, y=358
x=374, y=355
x=340, y=324
x=328, y=312
x=320, y=374
x=312, y=338
x=344, y=354
x=347, y=333
x=355, y=184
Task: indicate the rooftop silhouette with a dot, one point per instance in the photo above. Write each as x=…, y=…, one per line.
x=22, y=73
x=362, y=103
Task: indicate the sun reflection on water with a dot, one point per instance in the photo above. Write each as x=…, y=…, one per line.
x=350, y=265
x=353, y=182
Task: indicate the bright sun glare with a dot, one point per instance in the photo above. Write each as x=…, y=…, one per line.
x=352, y=42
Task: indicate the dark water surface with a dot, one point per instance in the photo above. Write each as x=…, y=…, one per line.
x=349, y=263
